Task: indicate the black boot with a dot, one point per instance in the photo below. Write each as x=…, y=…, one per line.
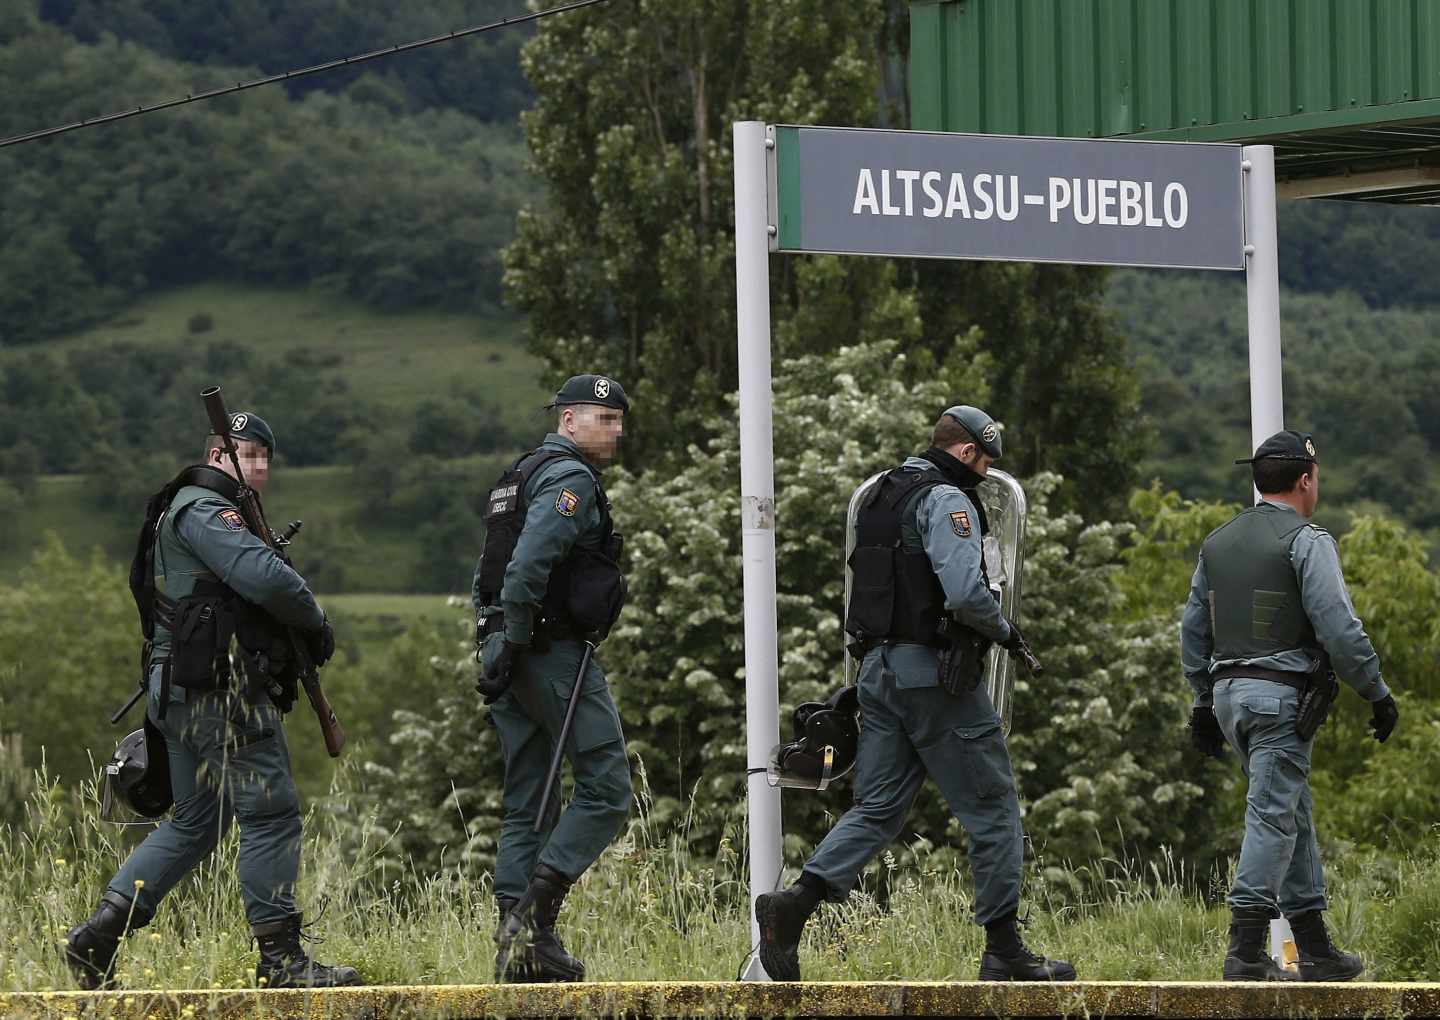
x=781, y=917
x=284, y=963
x=1007, y=958
x=526, y=946
x=90, y=946
x=519, y=968
x=1320, y=960
x=1247, y=959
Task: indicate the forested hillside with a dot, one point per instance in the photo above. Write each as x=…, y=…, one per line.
x=1360, y=327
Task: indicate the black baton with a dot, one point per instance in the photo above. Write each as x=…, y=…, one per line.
x=555, y=762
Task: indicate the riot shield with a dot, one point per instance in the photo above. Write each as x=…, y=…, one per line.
x=1006, y=509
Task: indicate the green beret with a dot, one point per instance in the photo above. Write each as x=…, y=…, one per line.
x=252, y=429
x=984, y=428
x=592, y=389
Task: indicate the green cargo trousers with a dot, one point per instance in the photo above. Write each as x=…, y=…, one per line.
x=1280, y=858
x=229, y=762
x=528, y=718
x=912, y=728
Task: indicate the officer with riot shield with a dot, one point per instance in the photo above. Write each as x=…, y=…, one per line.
x=922, y=618
x=548, y=588
x=1267, y=627
x=213, y=744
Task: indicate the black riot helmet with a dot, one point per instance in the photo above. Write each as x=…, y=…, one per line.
x=827, y=738
x=138, y=776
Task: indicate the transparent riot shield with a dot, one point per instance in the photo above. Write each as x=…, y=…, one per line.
x=1006, y=510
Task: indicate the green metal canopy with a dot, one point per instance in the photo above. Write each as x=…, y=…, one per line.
x=1348, y=91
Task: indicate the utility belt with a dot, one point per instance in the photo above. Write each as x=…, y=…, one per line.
x=544, y=630
x=961, y=654
x=1299, y=681
x=1318, y=690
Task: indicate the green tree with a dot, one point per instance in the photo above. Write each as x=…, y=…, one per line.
x=68, y=631
x=632, y=134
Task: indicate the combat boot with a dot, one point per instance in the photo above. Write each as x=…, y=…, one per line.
x=90, y=946
x=520, y=968
x=1320, y=960
x=285, y=964
x=1247, y=959
x=1007, y=958
x=526, y=945
x=781, y=917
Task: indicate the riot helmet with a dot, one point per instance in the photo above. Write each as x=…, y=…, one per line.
x=827, y=739
x=137, y=777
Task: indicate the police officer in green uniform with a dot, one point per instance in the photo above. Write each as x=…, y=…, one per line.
x=222, y=730
x=919, y=599
x=1267, y=621
x=547, y=582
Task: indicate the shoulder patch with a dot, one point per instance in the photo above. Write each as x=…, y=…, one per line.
x=567, y=503
x=960, y=522
x=232, y=520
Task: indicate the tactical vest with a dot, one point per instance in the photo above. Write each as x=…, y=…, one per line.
x=586, y=591
x=1255, y=606
x=894, y=593
x=188, y=617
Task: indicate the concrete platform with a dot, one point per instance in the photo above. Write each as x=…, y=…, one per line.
x=733, y=999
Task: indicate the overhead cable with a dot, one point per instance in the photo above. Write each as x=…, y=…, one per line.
x=332, y=65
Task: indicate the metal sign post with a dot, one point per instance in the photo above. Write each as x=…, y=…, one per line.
x=757, y=514
x=952, y=196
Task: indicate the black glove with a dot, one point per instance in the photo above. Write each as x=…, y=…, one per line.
x=320, y=643
x=1387, y=714
x=1205, y=732
x=499, y=662
x=1015, y=641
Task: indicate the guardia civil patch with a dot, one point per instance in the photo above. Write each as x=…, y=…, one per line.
x=960, y=521
x=232, y=520
x=567, y=503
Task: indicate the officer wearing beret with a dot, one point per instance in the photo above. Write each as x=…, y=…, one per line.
x=223, y=735
x=919, y=593
x=1267, y=621
x=547, y=582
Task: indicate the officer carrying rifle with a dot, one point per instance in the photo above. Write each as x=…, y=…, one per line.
x=547, y=589
x=207, y=574
x=923, y=617
x=1267, y=627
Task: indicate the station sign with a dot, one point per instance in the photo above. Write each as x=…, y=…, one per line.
x=920, y=194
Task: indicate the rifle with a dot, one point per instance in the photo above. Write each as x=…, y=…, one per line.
x=254, y=515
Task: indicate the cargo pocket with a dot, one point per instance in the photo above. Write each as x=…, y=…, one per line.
x=597, y=721
x=1261, y=704
x=984, y=760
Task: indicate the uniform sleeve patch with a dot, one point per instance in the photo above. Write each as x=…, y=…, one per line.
x=567, y=503
x=232, y=520
x=960, y=522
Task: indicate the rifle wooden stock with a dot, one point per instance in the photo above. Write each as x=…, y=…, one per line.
x=254, y=515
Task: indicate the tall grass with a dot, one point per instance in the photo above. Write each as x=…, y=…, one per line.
x=653, y=908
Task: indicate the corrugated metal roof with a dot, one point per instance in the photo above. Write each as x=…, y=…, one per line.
x=1338, y=86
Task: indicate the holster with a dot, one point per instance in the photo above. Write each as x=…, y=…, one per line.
x=962, y=658
x=1315, y=702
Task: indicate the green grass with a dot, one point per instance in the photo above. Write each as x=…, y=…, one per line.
x=650, y=909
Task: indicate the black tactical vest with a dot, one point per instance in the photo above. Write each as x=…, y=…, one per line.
x=1255, y=605
x=894, y=593
x=586, y=590
x=200, y=617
